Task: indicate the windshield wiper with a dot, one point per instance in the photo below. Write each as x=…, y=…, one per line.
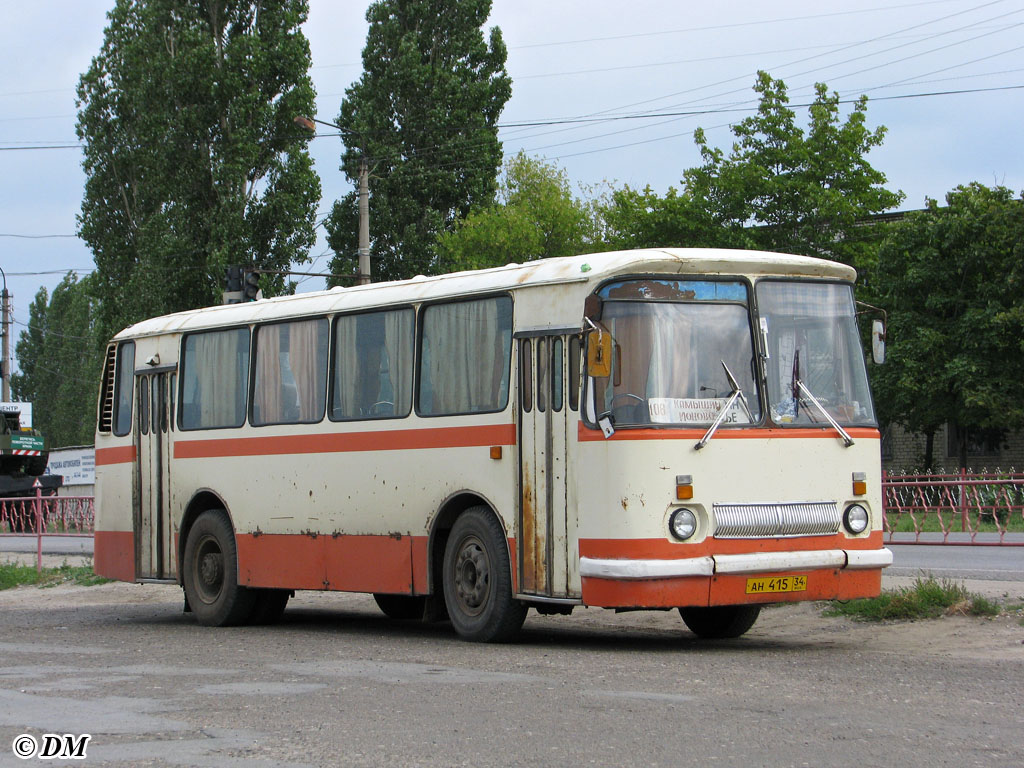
x=847, y=440
x=736, y=394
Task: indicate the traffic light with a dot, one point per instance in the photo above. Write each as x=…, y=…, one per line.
x=250, y=285
x=233, y=293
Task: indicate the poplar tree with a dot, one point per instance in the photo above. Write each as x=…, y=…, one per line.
x=424, y=115
x=192, y=158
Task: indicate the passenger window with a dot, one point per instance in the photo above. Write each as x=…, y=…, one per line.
x=290, y=373
x=373, y=361
x=466, y=350
x=214, y=379
x=123, y=388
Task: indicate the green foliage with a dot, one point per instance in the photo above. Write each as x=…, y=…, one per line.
x=16, y=575
x=780, y=188
x=192, y=159
x=951, y=280
x=60, y=361
x=927, y=599
x=535, y=216
x=425, y=114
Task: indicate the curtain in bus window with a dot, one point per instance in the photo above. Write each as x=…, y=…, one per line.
x=215, y=378
x=465, y=361
x=291, y=372
x=307, y=358
x=373, y=359
x=267, y=406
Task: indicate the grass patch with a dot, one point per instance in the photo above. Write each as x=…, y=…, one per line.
x=951, y=521
x=927, y=599
x=16, y=575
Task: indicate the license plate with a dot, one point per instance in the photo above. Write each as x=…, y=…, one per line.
x=772, y=584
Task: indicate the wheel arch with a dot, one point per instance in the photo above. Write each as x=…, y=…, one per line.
x=441, y=526
x=203, y=501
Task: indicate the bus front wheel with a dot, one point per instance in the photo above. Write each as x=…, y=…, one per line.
x=211, y=573
x=720, y=622
x=478, y=580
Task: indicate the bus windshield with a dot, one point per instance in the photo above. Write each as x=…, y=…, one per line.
x=679, y=347
x=811, y=339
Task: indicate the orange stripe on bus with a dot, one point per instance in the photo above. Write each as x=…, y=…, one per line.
x=343, y=442
x=122, y=454
x=586, y=434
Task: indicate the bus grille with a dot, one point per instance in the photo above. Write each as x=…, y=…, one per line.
x=745, y=521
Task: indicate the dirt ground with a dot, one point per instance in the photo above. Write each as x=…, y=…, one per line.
x=998, y=638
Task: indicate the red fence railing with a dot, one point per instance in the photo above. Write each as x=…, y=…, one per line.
x=41, y=516
x=984, y=508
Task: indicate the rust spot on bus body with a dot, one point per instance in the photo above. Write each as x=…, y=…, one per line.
x=528, y=534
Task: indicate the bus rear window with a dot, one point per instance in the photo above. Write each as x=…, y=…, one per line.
x=214, y=379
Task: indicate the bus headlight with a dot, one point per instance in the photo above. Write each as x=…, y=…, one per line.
x=682, y=524
x=855, y=519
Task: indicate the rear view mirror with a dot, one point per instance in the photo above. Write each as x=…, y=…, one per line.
x=878, y=341
x=599, y=354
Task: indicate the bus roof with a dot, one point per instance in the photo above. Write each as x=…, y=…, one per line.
x=583, y=271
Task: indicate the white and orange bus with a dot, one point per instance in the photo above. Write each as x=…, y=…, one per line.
x=651, y=429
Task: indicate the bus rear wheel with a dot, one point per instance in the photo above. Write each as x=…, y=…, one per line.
x=720, y=622
x=477, y=580
x=211, y=573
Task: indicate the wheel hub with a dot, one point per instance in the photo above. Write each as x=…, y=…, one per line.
x=472, y=576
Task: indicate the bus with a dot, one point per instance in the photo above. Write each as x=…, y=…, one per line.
x=684, y=429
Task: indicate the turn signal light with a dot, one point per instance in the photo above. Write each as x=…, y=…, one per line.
x=684, y=487
x=495, y=451
x=860, y=484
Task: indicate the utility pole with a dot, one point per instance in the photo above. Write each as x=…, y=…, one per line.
x=5, y=363
x=364, y=222
x=309, y=123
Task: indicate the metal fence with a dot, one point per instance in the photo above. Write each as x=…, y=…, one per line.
x=42, y=516
x=976, y=508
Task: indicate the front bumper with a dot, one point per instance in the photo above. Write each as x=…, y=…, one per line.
x=722, y=579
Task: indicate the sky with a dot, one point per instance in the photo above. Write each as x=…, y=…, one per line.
x=946, y=77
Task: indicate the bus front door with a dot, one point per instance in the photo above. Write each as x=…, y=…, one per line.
x=152, y=525
x=543, y=483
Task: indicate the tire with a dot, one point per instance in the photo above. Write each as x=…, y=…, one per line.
x=211, y=573
x=36, y=465
x=720, y=622
x=477, y=580
x=401, y=607
x=268, y=605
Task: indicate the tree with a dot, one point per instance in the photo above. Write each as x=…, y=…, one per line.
x=424, y=114
x=951, y=280
x=60, y=361
x=780, y=188
x=192, y=159
x=534, y=216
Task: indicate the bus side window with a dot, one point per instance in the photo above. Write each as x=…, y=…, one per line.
x=214, y=379
x=373, y=363
x=290, y=372
x=470, y=350
x=123, y=388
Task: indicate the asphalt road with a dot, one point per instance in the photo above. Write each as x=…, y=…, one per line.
x=337, y=683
